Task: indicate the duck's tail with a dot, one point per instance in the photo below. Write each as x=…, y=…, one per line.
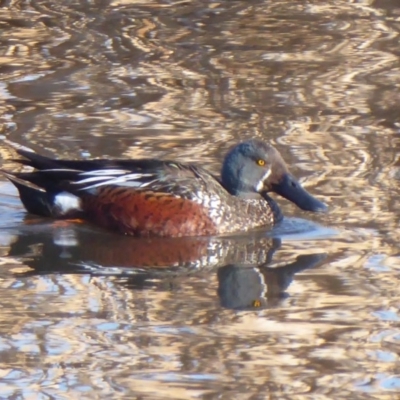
x=46, y=203
x=35, y=199
x=39, y=195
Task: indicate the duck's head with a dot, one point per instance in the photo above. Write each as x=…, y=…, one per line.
x=255, y=167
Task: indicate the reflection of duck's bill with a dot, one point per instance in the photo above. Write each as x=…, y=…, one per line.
x=289, y=188
x=245, y=287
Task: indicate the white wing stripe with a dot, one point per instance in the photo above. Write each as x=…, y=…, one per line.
x=89, y=180
x=106, y=172
x=129, y=179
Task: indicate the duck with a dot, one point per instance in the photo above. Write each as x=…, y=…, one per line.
x=152, y=197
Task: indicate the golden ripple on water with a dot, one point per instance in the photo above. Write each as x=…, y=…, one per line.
x=186, y=80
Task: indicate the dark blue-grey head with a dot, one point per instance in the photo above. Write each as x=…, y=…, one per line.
x=255, y=167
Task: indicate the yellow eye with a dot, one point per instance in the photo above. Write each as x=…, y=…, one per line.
x=261, y=162
x=256, y=303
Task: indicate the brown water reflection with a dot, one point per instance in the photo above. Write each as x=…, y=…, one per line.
x=186, y=80
x=243, y=265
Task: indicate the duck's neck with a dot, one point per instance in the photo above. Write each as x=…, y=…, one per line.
x=249, y=196
x=278, y=215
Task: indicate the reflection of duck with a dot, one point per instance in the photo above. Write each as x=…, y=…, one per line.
x=244, y=286
x=244, y=276
x=76, y=245
x=163, y=198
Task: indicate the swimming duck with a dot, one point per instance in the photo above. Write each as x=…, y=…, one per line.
x=150, y=197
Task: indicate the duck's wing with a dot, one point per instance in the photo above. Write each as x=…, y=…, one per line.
x=88, y=176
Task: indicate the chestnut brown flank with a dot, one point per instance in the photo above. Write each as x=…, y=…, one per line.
x=145, y=213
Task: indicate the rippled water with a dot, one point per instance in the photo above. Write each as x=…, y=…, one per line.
x=309, y=310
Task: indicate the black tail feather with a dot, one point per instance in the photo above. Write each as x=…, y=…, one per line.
x=35, y=200
x=36, y=160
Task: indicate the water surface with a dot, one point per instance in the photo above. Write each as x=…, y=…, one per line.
x=309, y=310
